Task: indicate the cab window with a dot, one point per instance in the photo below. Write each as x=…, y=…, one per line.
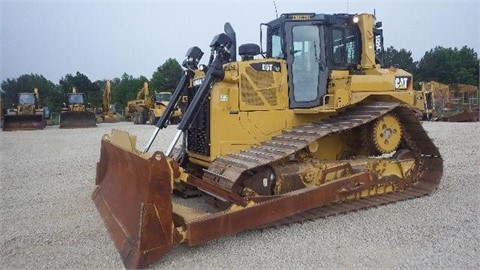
x=277, y=47
x=346, y=49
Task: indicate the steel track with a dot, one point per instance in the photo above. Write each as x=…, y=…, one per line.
x=226, y=170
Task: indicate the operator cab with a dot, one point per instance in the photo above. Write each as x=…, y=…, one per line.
x=313, y=45
x=75, y=98
x=163, y=97
x=26, y=99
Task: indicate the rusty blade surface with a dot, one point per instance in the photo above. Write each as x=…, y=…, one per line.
x=23, y=122
x=77, y=120
x=134, y=198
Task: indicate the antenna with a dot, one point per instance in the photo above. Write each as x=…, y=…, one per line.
x=275, y=5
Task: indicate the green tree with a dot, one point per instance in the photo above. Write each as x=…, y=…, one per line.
x=167, y=76
x=26, y=83
x=125, y=89
x=449, y=66
x=400, y=59
x=82, y=83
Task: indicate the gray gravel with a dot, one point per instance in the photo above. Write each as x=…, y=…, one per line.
x=49, y=221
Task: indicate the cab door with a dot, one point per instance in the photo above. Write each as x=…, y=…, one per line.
x=307, y=69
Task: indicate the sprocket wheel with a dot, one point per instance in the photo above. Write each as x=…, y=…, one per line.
x=387, y=134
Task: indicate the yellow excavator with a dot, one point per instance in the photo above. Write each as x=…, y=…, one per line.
x=310, y=126
x=136, y=109
x=27, y=114
x=107, y=114
x=75, y=113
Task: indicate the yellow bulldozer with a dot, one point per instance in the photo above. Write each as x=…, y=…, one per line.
x=27, y=114
x=75, y=112
x=107, y=113
x=308, y=127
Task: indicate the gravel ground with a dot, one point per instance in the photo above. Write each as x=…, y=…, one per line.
x=49, y=221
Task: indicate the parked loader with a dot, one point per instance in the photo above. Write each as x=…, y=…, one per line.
x=309, y=127
x=75, y=113
x=107, y=113
x=27, y=114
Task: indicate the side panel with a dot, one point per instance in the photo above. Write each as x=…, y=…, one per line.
x=249, y=106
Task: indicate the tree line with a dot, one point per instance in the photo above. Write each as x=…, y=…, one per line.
x=125, y=88
x=445, y=65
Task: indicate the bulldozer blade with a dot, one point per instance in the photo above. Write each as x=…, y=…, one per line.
x=134, y=198
x=23, y=122
x=77, y=120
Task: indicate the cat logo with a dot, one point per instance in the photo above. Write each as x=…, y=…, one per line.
x=402, y=83
x=267, y=66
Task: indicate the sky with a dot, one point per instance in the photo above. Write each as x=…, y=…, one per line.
x=106, y=38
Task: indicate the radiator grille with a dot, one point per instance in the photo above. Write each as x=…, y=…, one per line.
x=257, y=84
x=198, y=135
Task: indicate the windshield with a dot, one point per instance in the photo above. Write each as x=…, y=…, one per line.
x=163, y=97
x=26, y=99
x=75, y=99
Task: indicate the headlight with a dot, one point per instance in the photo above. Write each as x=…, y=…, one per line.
x=202, y=68
x=355, y=19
